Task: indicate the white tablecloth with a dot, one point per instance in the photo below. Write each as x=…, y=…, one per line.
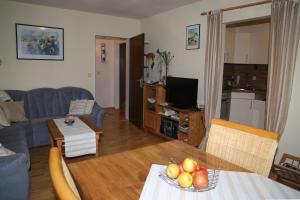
x=231, y=185
x=79, y=138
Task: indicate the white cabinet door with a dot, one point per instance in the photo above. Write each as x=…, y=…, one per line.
x=240, y=111
x=242, y=48
x=258, y=113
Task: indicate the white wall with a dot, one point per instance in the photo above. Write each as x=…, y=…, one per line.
x=80, y=29
x=167, y=32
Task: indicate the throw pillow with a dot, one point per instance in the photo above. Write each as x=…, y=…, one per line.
x=89, y=106
x=5, y=152
x=81, y=107
x=14, y=111
x=4, y=96
x=3, y=121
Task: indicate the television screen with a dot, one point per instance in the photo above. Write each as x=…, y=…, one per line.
x=182, y=92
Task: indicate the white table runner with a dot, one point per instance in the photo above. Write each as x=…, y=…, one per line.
x=231, y=185
x=79, y=138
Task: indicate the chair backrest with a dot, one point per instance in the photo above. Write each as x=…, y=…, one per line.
x=249, y=147
x=61, y=177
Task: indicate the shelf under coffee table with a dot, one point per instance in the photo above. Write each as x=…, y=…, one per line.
x=57, y=138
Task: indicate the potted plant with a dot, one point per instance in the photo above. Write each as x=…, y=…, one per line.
x=164, y=59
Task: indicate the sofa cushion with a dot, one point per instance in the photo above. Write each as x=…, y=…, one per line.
x=14, y=111
x=13, y=138
x=40, y=131
x=4, y=96
x=14, y=176
x=81, y=107
x=44, y=102
x=5, y=152
x=3, y=119
x=18, y=95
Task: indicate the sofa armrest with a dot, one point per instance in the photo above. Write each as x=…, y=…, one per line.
x=14, y=177
x=97, y=115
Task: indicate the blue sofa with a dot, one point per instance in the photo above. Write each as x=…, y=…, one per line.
x=40, y=105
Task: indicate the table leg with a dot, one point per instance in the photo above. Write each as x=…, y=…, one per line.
x=52, y=142
x=59, y=145
x=97, y=144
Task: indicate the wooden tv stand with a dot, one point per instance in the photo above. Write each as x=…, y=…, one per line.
x=153, y=115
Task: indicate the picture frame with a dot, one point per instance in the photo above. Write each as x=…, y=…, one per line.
x=193, y=37
x=35, y=42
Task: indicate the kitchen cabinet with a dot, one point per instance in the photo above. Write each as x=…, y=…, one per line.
x=247, y=45
x=245, y=109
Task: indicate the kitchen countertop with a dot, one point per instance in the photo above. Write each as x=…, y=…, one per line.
x=259, y=94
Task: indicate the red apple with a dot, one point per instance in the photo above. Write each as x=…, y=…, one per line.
x=203, y=170
x=200, y=180
x=180, y=165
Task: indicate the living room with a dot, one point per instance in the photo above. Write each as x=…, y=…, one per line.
x=164, y=30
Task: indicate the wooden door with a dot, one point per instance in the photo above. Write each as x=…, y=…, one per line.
x=122, y=75
x=136, y=80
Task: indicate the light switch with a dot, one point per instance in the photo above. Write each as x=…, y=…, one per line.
x=89, y=75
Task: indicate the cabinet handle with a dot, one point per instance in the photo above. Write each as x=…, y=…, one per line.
x=251, y=105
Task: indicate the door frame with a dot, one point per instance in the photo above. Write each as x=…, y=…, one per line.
x=93, y=73
x=122, y=73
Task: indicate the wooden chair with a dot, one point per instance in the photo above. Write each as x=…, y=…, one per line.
x=249, y=147
x=61, y=177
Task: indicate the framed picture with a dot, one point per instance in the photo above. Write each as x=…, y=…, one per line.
x=193, y=37
x=39, y=42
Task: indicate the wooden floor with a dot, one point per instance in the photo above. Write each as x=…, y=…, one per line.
x=119, y=135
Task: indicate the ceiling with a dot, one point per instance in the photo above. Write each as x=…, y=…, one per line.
x=124, y=8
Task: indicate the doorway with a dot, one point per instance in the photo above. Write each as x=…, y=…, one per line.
x=108, y=73
x=245, y=72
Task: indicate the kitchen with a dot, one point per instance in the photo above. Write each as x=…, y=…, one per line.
x=245, y=72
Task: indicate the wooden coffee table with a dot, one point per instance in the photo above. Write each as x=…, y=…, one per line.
x=57, y=138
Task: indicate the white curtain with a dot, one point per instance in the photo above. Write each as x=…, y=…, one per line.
x=285, y=33
x=213, y=67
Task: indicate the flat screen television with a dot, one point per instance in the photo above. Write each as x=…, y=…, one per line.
x=182, y=92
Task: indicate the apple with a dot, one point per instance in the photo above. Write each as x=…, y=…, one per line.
x=185, y=179
x=189, y=165
x=200, y=180
x=172, y=171
x=180, y=165
x=202, y=170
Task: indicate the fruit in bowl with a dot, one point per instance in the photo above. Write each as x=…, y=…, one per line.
x=185, y=180
x=200, y=180
x=172, y=171
x=189, y=165
x=188, y=173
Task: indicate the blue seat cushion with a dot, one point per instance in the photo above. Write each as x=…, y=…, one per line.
x=14, y=138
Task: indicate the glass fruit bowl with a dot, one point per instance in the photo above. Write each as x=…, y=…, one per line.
x=213, y=178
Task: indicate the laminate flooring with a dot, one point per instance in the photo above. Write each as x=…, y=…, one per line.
x=119, y=135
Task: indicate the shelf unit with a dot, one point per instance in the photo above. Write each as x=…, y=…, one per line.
x=192, y=119
x=151, y=110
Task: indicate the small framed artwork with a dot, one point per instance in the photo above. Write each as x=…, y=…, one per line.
x=103, y=52
x=193, y=37
x=39, y=42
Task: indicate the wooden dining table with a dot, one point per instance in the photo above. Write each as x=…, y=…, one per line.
x=122, y=175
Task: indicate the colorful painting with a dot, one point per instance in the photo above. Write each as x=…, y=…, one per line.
x=39, y=42
x=193, y=36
